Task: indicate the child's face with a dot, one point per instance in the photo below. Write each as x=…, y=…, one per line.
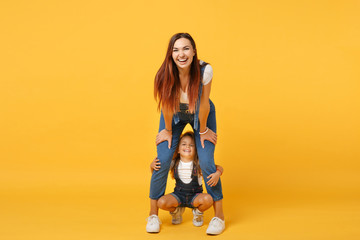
x=187, y=148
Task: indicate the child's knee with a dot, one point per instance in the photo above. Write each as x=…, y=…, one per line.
x=164, y=203
x=208, y=199
x=161, y=203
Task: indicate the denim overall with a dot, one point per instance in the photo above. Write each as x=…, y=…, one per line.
x=206, y=155
x=185, y=193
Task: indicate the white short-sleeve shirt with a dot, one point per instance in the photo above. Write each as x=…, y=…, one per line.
x=185, y=170
x=207, y=77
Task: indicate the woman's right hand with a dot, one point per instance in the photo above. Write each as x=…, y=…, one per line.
x=164, y=135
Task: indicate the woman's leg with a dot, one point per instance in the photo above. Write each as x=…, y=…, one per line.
x=203, y=202
x=164, y=154
x=218, y=209
x=207, y=163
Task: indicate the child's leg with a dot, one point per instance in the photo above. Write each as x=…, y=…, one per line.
x=168, y=203
x=203, y=202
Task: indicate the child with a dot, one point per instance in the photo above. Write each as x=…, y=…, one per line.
x=185, y=169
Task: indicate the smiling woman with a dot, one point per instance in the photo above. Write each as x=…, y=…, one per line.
x=182, y=52
x=182, y=88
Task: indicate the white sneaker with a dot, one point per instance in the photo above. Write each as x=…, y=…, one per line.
x=216, y=226
x=153, y=224
x=198, y=219
x=177, y=215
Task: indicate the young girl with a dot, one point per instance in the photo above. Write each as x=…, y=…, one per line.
x=185, y=169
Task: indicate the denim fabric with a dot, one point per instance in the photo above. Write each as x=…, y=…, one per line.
x=191, y=187
x=206, y=156
x=185, y=199
x=185, y=193
x=184, y=113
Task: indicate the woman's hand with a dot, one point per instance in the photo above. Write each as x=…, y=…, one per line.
x=210, y=135
x=164, y=135
x=214, y=179
x=155, y=165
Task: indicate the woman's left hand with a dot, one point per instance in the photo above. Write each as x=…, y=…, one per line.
x=210, y=135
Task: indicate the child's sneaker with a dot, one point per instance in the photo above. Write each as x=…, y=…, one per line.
x=177, y=215
x=198, y=219
x=216, y=226
x=153, y=224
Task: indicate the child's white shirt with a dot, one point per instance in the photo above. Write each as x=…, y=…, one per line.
x=185, y=170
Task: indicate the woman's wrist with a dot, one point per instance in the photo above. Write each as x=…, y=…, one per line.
x=205, y=131
x=218, y=170
x=168, y=130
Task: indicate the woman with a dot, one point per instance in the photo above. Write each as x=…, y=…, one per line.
x=182, y=88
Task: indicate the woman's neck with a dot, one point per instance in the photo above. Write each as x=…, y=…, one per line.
x=184, y=76
x=183, y=72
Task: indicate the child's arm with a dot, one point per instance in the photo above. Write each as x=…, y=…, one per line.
x=219, y=168
x=155, y=165
x=214, y=177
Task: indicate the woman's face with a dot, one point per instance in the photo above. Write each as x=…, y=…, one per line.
x=187, y=148
x=183, y=53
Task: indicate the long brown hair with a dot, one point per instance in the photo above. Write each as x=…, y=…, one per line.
x=176, y=159
x=167, y=83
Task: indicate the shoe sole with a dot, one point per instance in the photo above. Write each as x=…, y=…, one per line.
x=209, y=233
x=198, y=225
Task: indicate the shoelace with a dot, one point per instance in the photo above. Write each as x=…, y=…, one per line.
x=217, y=222
x=152, y=219
x=198, y=216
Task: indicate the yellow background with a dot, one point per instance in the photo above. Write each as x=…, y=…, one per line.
x=78, y=119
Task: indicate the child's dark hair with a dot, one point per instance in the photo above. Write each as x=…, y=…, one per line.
x=176, y=158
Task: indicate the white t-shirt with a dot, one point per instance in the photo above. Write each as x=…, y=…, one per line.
x=207, y=77
x=185, y=170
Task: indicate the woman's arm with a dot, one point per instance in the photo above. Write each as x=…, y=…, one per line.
x=203, y=115
x=168, y=115
x=166, y=134
x=204, y=106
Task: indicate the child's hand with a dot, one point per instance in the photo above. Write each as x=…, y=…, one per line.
x=155, y=165
x=214, y=178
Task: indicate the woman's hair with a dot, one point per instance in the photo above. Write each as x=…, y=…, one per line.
x=176, y=159
x=167, y=82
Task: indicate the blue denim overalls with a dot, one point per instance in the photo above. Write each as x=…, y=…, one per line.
x=185, y=193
